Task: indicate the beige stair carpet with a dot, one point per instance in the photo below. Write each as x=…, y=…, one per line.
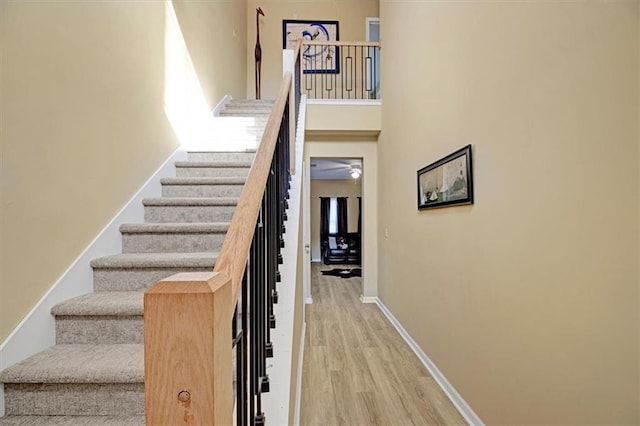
x=94, y=375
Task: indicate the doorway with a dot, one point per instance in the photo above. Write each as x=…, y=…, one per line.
x=335, y=213
x=365, y=149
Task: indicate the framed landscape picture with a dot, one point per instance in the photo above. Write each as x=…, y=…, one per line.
x=316, y=59
x=447, y=182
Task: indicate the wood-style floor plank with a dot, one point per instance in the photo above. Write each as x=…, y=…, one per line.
x=357, y=368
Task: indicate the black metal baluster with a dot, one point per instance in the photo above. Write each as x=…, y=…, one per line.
x=240, y=343
x=253, y=355
x=350, y=72
x=336, y=66
x=263, y=294
x=254, y=315
x=314, y=68
x=270, y=318
x=362, y=72
x=374, y=78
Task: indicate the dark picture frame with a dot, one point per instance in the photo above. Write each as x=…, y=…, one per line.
x=316, y=59
x=447, y=182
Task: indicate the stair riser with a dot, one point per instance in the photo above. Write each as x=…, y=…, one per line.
x=74, y=399
x=201, y=190
x=221, y=156
x=134, y=279
x=212, y=171
x=262, y=117
x=256, y=109
x=242, y=113
x=99, y=330
x=251, y=102
x=188, y=214
x=250, y=106
x=171, y=243
x=245, y=121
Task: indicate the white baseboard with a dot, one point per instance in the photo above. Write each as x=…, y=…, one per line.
x=465, y=410
x=308, y=300
x=220, y=106
x=368, y=299
x=318, y=260
x=296, y=416
x=36, y=331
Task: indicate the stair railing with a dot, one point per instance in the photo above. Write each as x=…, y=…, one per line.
x=188, y=339
x=344, y=70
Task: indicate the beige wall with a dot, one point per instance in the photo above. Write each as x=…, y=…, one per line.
x=527, y=300
x=332, y=188
x=216, y=35
x=345, y=118
x=351, y=15
x=83, y=123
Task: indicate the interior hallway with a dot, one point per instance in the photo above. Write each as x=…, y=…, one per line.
x=357, y=369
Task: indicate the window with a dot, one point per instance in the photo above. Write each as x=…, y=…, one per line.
x=333, y=216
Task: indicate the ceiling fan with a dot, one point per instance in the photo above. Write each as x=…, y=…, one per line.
x=336, y=167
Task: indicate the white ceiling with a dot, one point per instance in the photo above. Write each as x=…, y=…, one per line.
x=333, y=168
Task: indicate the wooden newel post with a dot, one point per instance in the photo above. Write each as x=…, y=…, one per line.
x=187, y=350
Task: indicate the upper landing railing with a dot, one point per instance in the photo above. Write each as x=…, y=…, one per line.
x=340, y=70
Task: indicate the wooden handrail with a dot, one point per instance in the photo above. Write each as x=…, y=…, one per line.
x=232, y=259
x=342, y=43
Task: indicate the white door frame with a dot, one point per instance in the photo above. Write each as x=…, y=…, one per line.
x=368, y=151
x=306, y=231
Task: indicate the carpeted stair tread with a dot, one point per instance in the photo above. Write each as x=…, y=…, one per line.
x=156, y=260
x=174, y=228
x=72, y=421
x=120, y=363
x=248, y=109
x=190, y=201
x=111, y=303
x=213, y=164
x=203, y=181
x=95, y=375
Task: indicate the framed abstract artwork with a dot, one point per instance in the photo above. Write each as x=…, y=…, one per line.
x=447, y=182
x=316, y=58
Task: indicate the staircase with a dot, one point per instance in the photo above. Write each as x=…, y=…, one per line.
x=94, y=375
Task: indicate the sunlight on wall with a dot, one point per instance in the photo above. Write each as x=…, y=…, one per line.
x=185, y=104
x=184, y=101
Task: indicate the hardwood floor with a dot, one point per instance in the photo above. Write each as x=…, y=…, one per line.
x=357, y=369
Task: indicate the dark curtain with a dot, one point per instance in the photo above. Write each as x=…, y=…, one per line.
x=359, y=215
x=343, y=218
x=325, y=205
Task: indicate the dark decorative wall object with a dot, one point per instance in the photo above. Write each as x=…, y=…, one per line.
x=258, y=51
